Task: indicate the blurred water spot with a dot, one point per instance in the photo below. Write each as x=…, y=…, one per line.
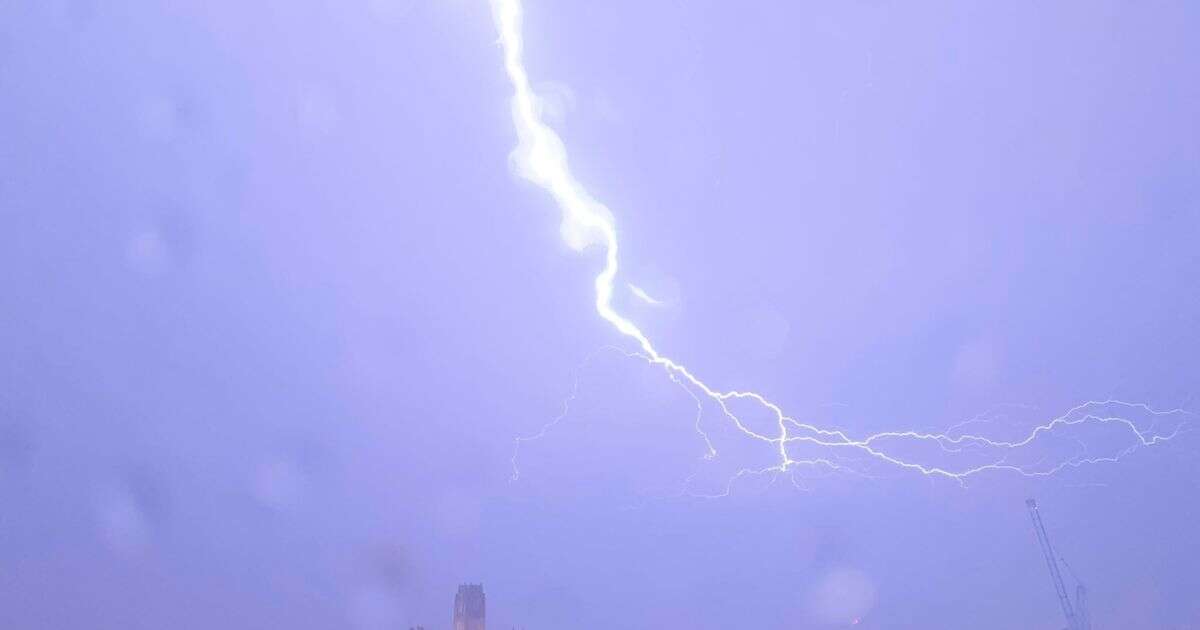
x=383, y=575
x=160, y=118
x=147, y=252
x=128, y=509
x=842, y=596
x=121, y=523
x=556, y=100
x=160, y=246
x=278, y=484
x=388, y=565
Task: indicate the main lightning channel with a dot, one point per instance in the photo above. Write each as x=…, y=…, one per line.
x=540, y=157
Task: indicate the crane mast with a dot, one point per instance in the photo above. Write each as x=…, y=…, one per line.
x=1081, y=598
x=1074, y=621
x=1081, y=609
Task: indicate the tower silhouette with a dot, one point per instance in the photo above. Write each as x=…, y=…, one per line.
x=469, y=606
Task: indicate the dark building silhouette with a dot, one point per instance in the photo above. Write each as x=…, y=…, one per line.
x=469, y=605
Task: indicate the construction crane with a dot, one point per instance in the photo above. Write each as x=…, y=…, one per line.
x=1081, y=599
x=1076, y=613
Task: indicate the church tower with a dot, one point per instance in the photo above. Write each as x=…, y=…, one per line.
x=469, y=607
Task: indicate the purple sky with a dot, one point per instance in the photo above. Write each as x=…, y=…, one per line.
x=275, y=308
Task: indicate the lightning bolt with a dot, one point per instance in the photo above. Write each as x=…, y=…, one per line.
x=541, y=157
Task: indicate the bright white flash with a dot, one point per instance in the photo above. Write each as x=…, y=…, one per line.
x=541, y=157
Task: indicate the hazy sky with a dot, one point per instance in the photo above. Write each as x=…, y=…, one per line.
x=274, y=308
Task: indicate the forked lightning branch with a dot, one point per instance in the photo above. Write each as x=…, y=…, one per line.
x=587, y=224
